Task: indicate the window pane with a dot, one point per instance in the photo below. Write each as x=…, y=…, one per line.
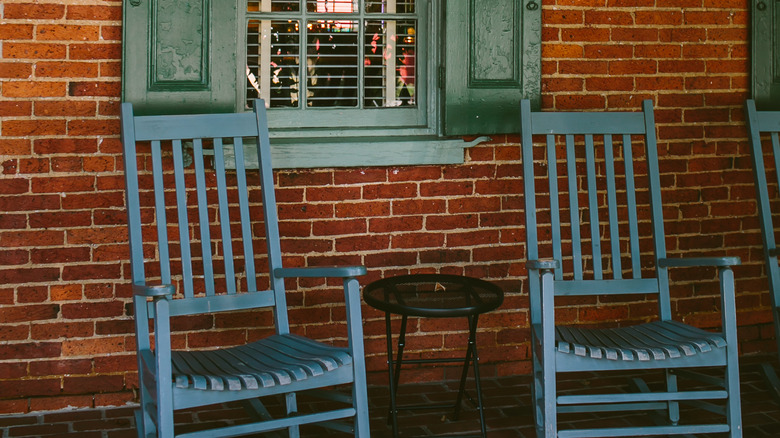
x=275, y=5
x=332, y=6
x=390, y=6
x=274, y=63
x=389, y=65
x=332, y=63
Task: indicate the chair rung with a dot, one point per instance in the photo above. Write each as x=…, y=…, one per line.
x=641, y=397
x=644, y=431
x=270, y=425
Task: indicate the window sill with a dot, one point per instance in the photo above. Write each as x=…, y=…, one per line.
x=304, y=153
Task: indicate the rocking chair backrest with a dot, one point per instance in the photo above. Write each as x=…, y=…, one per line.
x=595, y=186
x=210, y=253
x=764, y=130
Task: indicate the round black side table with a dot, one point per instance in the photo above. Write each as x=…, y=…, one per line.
x=433, y=296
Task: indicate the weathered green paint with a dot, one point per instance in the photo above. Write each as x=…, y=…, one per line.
x=180, y=56
x=492, y=57
x=188, y=56
x=765, y=59
x=358, y=152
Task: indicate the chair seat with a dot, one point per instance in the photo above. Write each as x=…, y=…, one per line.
x=276, y=360
x=658, y=340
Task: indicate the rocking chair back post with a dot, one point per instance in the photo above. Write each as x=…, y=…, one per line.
x=198, y=249
x=594, y=222
x=764, y=129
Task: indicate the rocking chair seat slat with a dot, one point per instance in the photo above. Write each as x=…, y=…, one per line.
x=658, y=340
x=276, y=360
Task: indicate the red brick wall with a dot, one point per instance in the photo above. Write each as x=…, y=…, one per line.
x=65, y=337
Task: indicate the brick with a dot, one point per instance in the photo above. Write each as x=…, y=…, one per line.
x=65, y=292
x=681, y=66
x=589, y=34
x=634, y=34
x=17, y=50
x=34, y=165
x=563, y=51
x=339, y=227
x=91, y=272
x=103, y=89
x=415, y=173
x=15, y=70
x=29, y=275
x=89, y=12
x=332, y=193
x=92, y=347
x=451, y=222
x=355, y=176
x=34, y=294
x=60, y=255
x=32, y=388
x=362, y=209
x=66, y=69
x=33, y=89
x=67, y=32
x=92, y=384
x=668, y=18
x=93, y=200
x=14, y=147
x=32, y=128
x=389, y=191
x=30, y=350
x=63, y=184
x=609, y=17
x=65, y=109
x=15, y=108
x=38, y=238
x=47, y=146
x=110, y=69
x=395, y=224
x=633, y=67
x=52, y=331
x=55, y=404
x=606, y=51
x=33, y=11
x=14, y=257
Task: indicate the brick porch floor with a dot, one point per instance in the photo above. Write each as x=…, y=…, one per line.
x=506, y=399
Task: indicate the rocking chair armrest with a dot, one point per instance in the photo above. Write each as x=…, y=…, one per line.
x=541, y=265
x=720, y=262
x=321, y=271
x=153, y=291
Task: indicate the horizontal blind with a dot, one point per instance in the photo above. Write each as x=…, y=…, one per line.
x=332, y=53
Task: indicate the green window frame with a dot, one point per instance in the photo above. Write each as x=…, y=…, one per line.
x=476, y=61
x=765, y=54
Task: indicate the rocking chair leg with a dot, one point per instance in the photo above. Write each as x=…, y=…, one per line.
x=771, y=377
x=292, y=409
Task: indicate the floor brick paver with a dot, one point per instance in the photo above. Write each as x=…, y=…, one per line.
x=507, y=402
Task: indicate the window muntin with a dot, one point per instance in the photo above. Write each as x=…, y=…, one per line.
x=348, y=55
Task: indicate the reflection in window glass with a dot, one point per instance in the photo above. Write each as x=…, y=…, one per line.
x=356, y=62
x=332, y=6
x=391, y=6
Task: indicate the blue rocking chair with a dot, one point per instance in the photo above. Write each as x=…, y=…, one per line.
x=764, y=132
x=204, y=240
x=596, y=239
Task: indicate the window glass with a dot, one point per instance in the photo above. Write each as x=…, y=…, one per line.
x=338, y=53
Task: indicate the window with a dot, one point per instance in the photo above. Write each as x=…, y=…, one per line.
x=308, y=60
x=765, y=57
x=347, y=82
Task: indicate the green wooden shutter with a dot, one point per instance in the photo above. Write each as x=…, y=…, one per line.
x=179, y=56
x=766, y=54
x=492, y=60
